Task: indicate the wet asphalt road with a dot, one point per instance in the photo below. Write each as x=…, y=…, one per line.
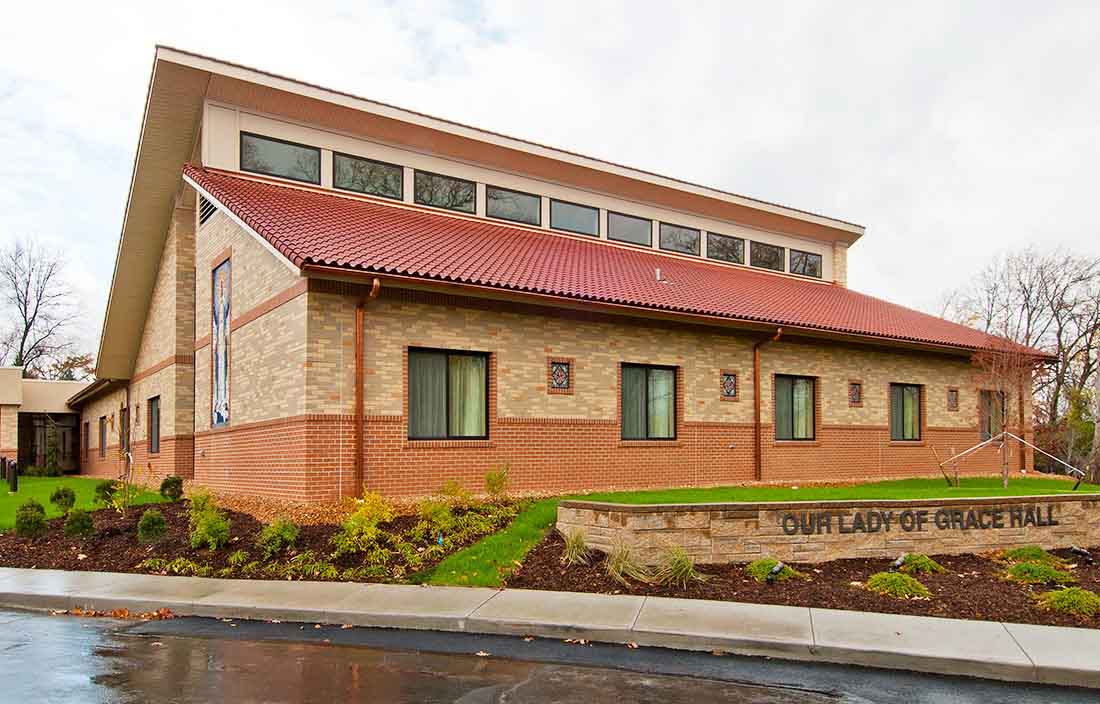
x=66, y=659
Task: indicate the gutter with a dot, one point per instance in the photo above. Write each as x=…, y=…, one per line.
x=756, y=442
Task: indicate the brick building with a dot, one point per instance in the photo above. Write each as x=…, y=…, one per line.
x=314, y=291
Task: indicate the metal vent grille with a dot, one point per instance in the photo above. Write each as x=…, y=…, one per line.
x=206, y=209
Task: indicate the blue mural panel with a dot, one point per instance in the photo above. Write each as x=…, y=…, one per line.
x=219, y=343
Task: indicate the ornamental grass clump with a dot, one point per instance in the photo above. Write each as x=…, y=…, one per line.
x=677, y=568
x=276, y=538
x=30, y=519
x=64, y=498
x=760, y=569
x=1038, y=573
x=916, y=563
x=576, y=550
x=79, y=524
x=152, y=526
x=1031, y=553
x=621, y=565
x=1071, y=600
x=897, y=585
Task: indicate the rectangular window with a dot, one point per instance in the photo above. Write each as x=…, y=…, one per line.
x=991, y=413
x=87, y=441
x=855, y=393
x=648, y=402
x=376, y=178
x=102, y=436
x=581, y=219
x=513, y=205
x=275, y=157
x=904, y=412
x=627, y=228
x=766, y=256
x=448, y=395
x=805, y=263
x=952, y=399
x=444, y=192
x=729, y=386
x=679, y=239
x=154, y=424
x=725, y=248
x=794, y=407
x=124, y=429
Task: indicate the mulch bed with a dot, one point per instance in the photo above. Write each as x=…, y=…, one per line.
x=115, y=547
x=969, y=588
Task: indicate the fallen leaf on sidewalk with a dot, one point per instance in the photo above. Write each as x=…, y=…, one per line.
x=481, y=654
x=346, y=626
x=632, y=645
x=528, y=639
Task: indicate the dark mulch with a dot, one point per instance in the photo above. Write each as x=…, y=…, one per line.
x=115, y=547
x=970, y=588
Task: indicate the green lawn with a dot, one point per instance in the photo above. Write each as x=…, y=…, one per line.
x=487, y=562
x=40, y=488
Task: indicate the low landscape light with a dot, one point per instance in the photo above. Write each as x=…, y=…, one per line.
x=774, y=574
x=1083, y=554
x=899, y=562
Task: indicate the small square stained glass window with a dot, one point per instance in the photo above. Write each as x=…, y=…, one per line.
x=729, y=385
x=560, y=377
x=952, y=399
x=855, y=393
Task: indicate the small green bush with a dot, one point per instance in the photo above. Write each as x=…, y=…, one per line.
x=575, y=551
x=1038, y=573
x=678, y=568
x=360, y=531
x=455, y=494
x=200, y=503
x=30, y=520
x=171, y=487
x=760, y=569
x=64, y=498
x=79, y=523
x=276, y=538
x=151, y=526
x=105, y=491
x=211, y=530
x=1071, y=600
x=154, y=564
x=897, y=585
x=916, y=563
x=238, y=559
x=1031, y=553
x=496, y=483
x=621, y=565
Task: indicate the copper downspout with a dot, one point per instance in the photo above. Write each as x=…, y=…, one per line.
x=757, y=469
x=360, y=338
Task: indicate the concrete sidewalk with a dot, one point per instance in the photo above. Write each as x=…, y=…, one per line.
x=1006, y=651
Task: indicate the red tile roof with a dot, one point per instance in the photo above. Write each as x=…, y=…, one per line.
x=322, y=227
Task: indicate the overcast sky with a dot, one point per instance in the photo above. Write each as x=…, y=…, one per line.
x=951, y=131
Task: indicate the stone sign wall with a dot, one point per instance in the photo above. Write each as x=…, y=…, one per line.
x=818, y=531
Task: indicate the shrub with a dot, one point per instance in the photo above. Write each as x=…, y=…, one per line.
x=151, y=526
x=277, y=537
x=211, y=530
x=455, y=494
x=35, y=471
x=1071, y=600
x=200, y=503
x=154, y=564
x=1030, y=553
x=760, y=569
x=172, y=487
x=496, y=483
x=621, y=565
x=238, y=559
x=1038, y=573
x=30, y=519
x=360, y=530
x=897, y=585
x=436, y=516
x=678, y=568
x=105, y=491
x=576, y=550
x=916, y=563
x=79, y=523
x=64, y=498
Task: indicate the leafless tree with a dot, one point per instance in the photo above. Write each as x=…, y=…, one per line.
x=40, y=307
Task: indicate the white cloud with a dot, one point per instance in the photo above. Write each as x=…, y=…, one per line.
x=950, y=131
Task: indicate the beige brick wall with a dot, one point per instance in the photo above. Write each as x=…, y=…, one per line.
x=9, y=427
x=330, y=374
x=840, y=263
x=105, y=405
x=267, y=354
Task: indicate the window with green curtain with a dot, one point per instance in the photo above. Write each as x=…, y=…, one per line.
x=794, y=407
x=648, y=402
x=992, y=413
x=448, y=394
x=904, y=412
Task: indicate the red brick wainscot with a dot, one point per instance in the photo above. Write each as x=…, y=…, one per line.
x=819, y=531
